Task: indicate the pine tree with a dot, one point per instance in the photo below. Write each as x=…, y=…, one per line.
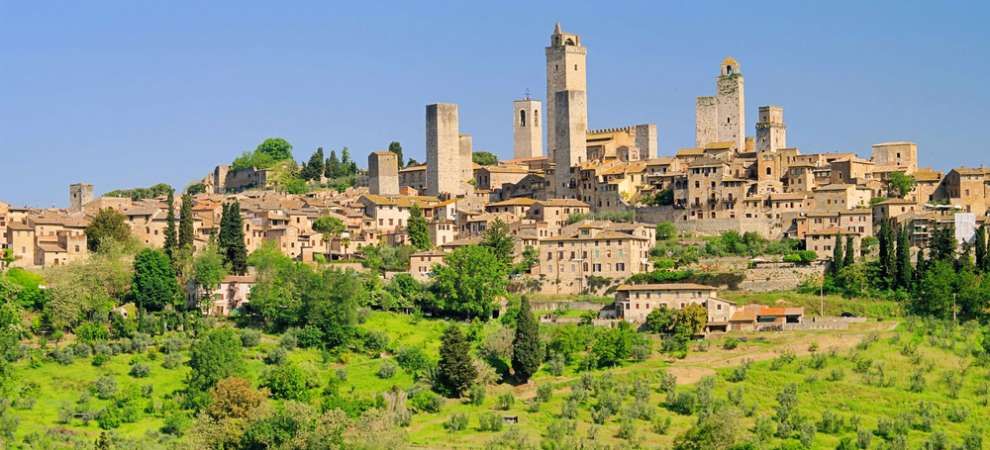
x=497, y=238
x=170, y=236
x=313, y=169
x=904, y=272
x=527, y=350
x=332, y=167
x=396, y=147
x=838, y=257
x=186, y=232
x=850, y=254
x=232, y=239
x=455, y=370
x=416, y=228
x=981, y=248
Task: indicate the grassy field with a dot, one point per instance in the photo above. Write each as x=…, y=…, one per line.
x=835, y=305
x=826, y=367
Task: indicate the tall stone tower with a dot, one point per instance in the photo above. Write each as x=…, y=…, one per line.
x=731, y=104
x=646, y=140
x=444, y=169
x=723, y=117
x=465, y=148
x=383, y=173
x=527, y=132
x=771, y=133
x=570, y=134
x=566, y=66
x=79, y=195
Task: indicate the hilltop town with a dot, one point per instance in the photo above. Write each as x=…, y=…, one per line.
x=623, y=287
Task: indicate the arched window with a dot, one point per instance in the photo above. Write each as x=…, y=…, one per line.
x=522, y=118
x=768, y=171
x=536, y=117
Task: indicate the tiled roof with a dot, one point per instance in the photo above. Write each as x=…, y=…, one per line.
x=666, y=287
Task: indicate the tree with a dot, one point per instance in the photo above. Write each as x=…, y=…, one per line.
x=347, y=166
x=314, y=169
x=838, y=257
x=943, y=245
x=154, y=286
x=277, y=148
x=455, y=371
x=498, y=239
x=660, y=320
x=900, y=184
x=186, y=231
x=330, y=227
x=716, y=431
x=209, y=271
x=196, y=188
x=469, y=281
x=886, y=253
x=904, y=270
x=484, y=158
x=396, y=147
x=416, y=228
x=213, y=357
x=527, y=350
x=171, y=241
x=666, y=231
x=530, y=258
x=232, y=238
x=936, y=290
x=286, y=382
x=233, y=398
x=982, y=262
x=107, y=227
x=330, y=303
x=332, y=167
x=691, y=320
x=850, y=254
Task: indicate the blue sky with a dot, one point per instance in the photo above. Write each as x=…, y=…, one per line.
x=131, y=93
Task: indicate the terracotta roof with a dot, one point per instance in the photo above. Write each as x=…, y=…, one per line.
x=519, y=201
x=505, y=169
x=666, y=287
x=723, y=145
x=690, y=152
x=51, y=247
x=897, y=201
x=562, y=202
x=834, y=187
x=705, y=162
x=406, y=201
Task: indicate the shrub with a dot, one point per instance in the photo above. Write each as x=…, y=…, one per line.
x=957, y=414
x=505, y=401
x=627, y=429
x=660, y=425
x=544, y=392
x=863, y=438
x=288, y=341
x=139, y=371
x=569, y=409
x=276, y=356
x=730, y=343
x=427, y=401
x=250, y=337
x=386, y=370
x=104, y=387
x=109, y=418
x=476, y=394
x=413, y=360
x=287, y=382
x=738, y=373
x=309, y=337
x=100, y=360
x=172, y=361
x=456, y=422
x=489, y=421
x=837, y=374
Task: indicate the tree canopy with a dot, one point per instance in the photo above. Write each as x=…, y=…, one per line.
x=484, y=158
x=154, y=285
x=416, y=227
x=107, y=227
x=469, y=281
x=901, y=184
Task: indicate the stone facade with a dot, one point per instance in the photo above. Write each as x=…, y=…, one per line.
x=383, y=173
x=444, y=170
x=771, y=133
x=79, y=195
x=527, y=133
x=570, y=128
x=722, y=118
x=566, y=71
x=465, y=146
x=901, y=154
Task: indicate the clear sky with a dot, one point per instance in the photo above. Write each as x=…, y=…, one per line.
x=130, y=93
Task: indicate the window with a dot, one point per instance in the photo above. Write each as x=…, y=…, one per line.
x=522, y=118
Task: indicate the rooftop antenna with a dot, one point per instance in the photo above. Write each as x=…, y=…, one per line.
x=527, y=93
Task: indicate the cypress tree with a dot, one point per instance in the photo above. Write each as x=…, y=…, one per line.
x=186, y=232
x=883, y=254
x=903, y=259
x=527, y=351
x=850, y=254
x=919, y=267
x=416, y=228
x=455, y=370
x=965, y=261
x=943, y=244
x=396, y=147
x=838, y=257
x=313, y=169
x=332, y=167
x=981, y=248
x=232, y=239
x=170, y=239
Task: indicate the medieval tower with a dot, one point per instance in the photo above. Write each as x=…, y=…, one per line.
x=722, y=118
x=444, y=169
x=465, y=146
x=771, y=133
x=527, y=133
x=570, y=134
x=565, y=72
x=383, y=173
x=79, y=195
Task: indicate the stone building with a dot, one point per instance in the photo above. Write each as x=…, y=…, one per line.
x=79, y=195
x=383, y=173
x=771, y=133
x=722, y=118
x=527, y=133
x=570, y=126
x=444, y=167
x=566, y=71
x=636, y=301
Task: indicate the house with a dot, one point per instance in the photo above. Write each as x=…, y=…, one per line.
x=635, y=302
x=761, y=317
x=232, y=293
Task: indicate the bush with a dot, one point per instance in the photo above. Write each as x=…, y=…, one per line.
x=287, y=382
x=276, y=356
x=476, y=394
x=172, y=361
x=309, y=337
x=413, y=360
x=139, y=371
x=100, y=360
x=288, y=341
x=427, y=401
x=250, y=337
x=730, y=343
x=489, y=421
x=544, y=392
x=456, y=422
x=386, y=370
x=104, y=387
x=109, y=418
x=505, y=401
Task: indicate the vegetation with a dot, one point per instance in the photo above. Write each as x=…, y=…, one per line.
x=108, y=227
x=901, y=184
x=154, y=191
x=416, y=227
x=484, y=158
x=231, y=241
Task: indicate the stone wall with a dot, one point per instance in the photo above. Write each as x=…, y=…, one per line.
x=443, y=156
x=383, y=173
x=779, y=277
